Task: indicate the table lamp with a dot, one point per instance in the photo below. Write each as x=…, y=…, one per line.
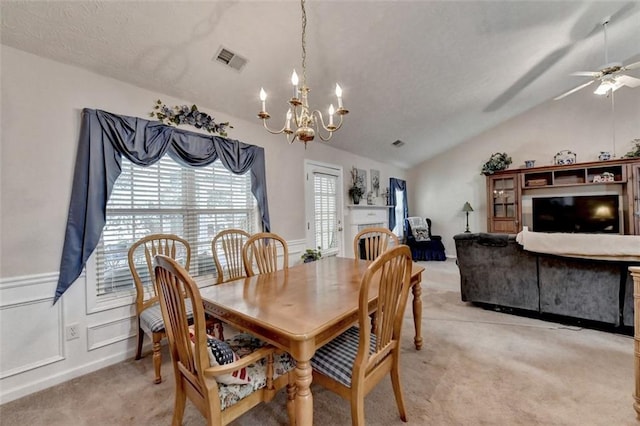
x=467, y=208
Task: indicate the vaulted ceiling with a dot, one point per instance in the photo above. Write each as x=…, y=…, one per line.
x=429, y=73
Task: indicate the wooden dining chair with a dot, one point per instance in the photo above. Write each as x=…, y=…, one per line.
x=228, y=244
x=220, y=384
x=261, y=252
x=369, y=243
x=354, y=362
x=148, y=313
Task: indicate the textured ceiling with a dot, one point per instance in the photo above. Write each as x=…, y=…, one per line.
x=430, y=73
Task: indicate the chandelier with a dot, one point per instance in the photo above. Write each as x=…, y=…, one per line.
x=306, y=122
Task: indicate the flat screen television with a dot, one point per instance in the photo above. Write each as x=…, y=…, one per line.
x=577, y=214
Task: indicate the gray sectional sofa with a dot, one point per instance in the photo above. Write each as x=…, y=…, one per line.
x=495, y=270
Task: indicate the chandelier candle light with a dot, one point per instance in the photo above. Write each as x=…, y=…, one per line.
x=307, y=122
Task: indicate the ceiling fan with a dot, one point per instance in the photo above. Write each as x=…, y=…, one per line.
x=610, y=75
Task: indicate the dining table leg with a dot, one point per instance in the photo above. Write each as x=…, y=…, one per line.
x=416, y=289
x=304, y=399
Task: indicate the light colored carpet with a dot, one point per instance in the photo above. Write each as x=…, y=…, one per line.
x=477, y=367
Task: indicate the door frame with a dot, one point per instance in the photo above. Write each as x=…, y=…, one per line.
x=332, y=169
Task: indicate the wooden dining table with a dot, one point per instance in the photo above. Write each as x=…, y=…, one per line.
x=299, y=309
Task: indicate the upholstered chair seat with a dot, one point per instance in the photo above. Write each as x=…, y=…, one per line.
x=336, y=358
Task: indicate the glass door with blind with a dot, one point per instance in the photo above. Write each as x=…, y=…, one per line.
x=324, y=203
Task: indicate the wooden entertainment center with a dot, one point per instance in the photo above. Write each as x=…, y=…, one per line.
x=506, y=189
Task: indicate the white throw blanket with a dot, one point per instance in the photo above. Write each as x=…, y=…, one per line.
x=591, y=246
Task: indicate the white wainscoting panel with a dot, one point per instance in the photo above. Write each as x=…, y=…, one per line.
x=30, y=322
x=108, y=333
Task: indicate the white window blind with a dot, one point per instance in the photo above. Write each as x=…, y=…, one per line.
x=193, y=203
x=326, y=212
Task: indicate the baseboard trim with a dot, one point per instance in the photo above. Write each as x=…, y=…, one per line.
x=9, y=395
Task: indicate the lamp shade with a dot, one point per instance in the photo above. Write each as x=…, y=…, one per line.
x=467, y=207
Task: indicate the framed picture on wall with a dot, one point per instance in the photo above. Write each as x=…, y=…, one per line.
x=375, y=182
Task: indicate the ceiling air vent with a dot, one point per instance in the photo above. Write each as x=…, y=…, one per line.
x=231, y=59
x=398, y=143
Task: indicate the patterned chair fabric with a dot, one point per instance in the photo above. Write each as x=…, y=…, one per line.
x=232, y=394
x=151, y=318
x=336, y=358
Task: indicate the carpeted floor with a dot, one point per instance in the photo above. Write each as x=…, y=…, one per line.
x=477, y=367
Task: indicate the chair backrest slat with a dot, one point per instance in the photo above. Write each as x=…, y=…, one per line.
x=228, y=244
x=374, y=241
x=262, y=251
x=147, y=248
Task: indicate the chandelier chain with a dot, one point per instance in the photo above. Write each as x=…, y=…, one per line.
x=304, y=44
x=302, y=122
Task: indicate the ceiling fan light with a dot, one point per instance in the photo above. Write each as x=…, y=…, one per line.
x=608, y=85
x=604, y=88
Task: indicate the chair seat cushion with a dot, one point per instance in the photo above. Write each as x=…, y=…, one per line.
x=240, y=383
x=151, y=318
x=335, y=359
x=231, y=394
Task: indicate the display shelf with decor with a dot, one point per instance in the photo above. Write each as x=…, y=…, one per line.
x=506, y=188
x=575, y=174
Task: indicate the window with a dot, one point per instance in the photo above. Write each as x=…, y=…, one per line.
x=166, y=197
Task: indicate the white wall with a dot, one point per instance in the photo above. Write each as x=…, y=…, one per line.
x=581, y=123
x=41, y=105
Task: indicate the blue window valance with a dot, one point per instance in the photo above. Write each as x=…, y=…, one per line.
x=104, y=139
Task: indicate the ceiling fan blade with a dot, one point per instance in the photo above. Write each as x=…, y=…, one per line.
x=631, y=66
x=627, y=80
x=575, y=89
x=592, y=74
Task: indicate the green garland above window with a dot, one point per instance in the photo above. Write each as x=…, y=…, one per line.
x=183, y=114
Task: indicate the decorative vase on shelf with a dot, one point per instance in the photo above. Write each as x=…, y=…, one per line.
x=356, y=199
x=604, y=156
x=370, y=198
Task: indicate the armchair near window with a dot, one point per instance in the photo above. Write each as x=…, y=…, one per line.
x=423, y=244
